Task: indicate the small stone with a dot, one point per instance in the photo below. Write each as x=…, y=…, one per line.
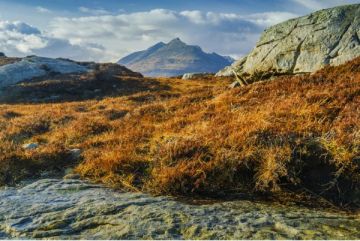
x=190, y=76
x=30, y=146
x=75, y=153
x=71, y=176
x=235, y=84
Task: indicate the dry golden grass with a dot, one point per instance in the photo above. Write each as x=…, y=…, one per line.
x=199, y=137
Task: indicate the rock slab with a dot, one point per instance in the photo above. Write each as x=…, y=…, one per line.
x=73, y=209
x=305, y=44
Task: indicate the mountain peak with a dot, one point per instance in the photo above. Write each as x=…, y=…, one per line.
x=174, y=58
x=176, y=41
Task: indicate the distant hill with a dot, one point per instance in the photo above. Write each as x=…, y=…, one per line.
x=174, y=58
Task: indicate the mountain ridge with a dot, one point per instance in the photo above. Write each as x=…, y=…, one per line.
x=173, y=59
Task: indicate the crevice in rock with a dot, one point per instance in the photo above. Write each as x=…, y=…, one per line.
x=276, y=40
x=333, y=51
x=263, y=59
x=356, y=38
x=296, y=56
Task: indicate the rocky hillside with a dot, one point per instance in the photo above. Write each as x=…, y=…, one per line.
x=173, y=59
x=305, y=44
x=15, y=70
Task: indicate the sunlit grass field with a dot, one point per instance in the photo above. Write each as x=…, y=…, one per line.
x=196, y=137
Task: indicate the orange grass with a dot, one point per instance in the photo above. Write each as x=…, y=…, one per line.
x=199, y=137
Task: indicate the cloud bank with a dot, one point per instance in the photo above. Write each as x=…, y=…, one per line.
x=107, y=34
x=225, y=33
x=106, y=37
x=314, y=5
x=20, y=39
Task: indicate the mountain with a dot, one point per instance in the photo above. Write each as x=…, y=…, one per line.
x=173, y=59
x=305, y=44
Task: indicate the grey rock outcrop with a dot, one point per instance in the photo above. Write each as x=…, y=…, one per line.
x=305, y=44
x=33, y=66
x=190, y=76
x=14, y=70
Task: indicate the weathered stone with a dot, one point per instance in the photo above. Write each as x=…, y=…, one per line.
x=30, y=146
x=33, y=66
x=234, y=84
x=13, y=71
x=304, y=45
x=71, y=176
x=190, y=76
x=75, y=153
x=73, y=209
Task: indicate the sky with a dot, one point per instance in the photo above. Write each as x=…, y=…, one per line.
x=106, y=30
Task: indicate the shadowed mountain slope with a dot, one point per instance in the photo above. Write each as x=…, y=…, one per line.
x=173, y=59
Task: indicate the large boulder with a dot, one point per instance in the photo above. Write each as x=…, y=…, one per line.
x=304, y=45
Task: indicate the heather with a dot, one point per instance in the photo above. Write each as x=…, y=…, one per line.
x=289, y=134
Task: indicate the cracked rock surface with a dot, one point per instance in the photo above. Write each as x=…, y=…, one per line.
x=305, y=44
x=73, y=209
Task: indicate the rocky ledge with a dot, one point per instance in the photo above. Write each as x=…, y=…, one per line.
x=13, y=70
x=303, y=45
x=73, y=209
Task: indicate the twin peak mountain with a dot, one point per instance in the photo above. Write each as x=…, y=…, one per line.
x=173, y=59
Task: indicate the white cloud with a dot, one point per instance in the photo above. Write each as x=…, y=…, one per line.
x=310, y=4
x=19, y=39
x=230, y=34
x=93, y=11
x=42, y=10
x=270, y=18
x=321, y=4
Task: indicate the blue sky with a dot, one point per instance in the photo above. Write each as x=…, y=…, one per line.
x=105, y=30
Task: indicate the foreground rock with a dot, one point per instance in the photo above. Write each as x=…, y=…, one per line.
x=72, y=209
x=304, y=44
